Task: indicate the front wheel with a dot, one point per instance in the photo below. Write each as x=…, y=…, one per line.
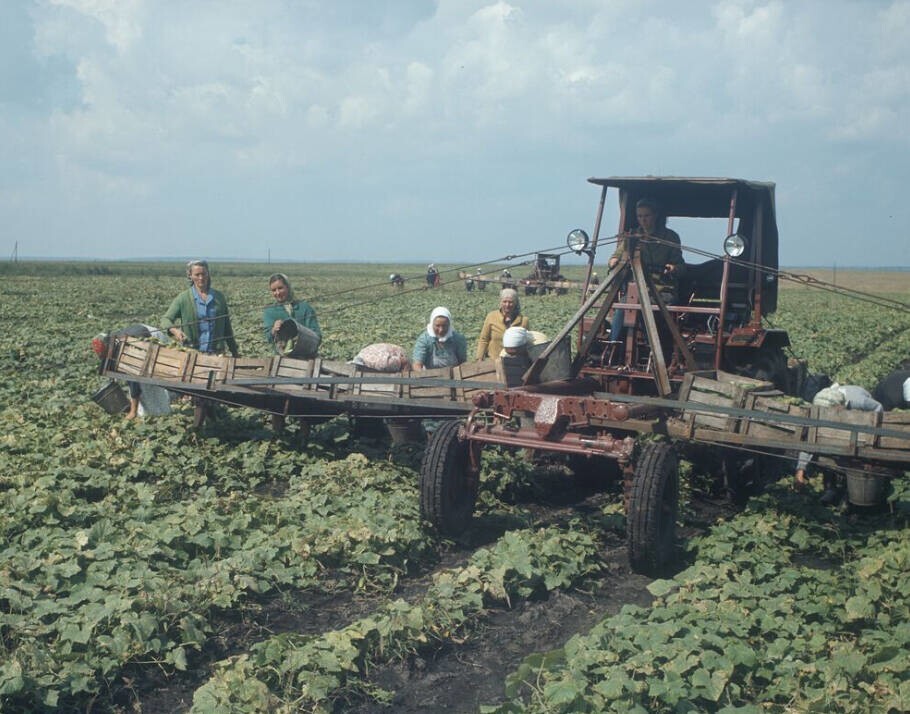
x=448, y=487
x=653, y=507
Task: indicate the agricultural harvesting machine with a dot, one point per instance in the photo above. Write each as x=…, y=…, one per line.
x=702, y=371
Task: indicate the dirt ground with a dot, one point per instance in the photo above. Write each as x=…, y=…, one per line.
x=457, y=678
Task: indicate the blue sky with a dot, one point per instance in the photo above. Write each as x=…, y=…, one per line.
x=446, y=131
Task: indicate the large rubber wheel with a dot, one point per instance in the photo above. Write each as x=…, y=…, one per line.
x=448, y=490
x=653, y=506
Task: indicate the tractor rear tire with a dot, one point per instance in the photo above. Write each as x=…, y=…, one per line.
x=653, y=508
x=448, y=490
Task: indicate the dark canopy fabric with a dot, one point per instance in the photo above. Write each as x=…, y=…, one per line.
x=699, y=197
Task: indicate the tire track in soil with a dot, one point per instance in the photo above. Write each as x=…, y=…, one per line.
x=453, y=677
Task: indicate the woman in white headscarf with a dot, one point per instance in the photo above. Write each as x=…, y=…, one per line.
x=439, y=345
x=489, y=344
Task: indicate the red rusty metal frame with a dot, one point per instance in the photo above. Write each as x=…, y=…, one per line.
x=557, y=422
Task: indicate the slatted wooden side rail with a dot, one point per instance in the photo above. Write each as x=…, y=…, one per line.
x=898, y=421
x=720, y=389
x=418, y=391
x=482, y=371
x=774, y=430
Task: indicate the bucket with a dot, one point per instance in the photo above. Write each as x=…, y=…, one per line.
x=405, y=431
x=300, y=342
x=111, y=398
x=865, y=489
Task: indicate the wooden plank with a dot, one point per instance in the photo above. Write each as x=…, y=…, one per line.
x=416, y=391
x=378, y=389
x=482, y=371
x=774, y=430
x=899, y=421
x=848, y=417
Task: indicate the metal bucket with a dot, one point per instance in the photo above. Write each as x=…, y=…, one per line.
x=111, y=398
x=865, y=489
x=305, y=342
x=405, y=431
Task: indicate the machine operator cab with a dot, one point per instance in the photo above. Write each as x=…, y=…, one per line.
x=637, y=336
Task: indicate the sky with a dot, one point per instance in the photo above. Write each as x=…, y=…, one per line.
x=447, y=130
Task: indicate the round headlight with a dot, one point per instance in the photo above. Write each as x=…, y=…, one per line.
x=734, y=245
x=577, y=241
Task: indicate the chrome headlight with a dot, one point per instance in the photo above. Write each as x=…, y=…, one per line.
x=734, y=245
x=578, y=241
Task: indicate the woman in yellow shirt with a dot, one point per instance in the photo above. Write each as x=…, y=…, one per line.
x=489, y=344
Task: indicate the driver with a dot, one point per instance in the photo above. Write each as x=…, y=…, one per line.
x=661, y=258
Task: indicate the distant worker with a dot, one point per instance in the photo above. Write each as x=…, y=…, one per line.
x=479, y=281
x=432, y=276
x=397, y=280
x=661, y=256
x=202, y=314
x=439, y=345
x=893, y=391
x=287, y=307
x=489, y=344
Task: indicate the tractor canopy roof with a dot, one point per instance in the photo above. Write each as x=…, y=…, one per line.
x=751, y=204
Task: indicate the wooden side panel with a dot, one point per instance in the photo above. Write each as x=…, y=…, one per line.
x=417, y=391
x=774, y=430
x=291, y=368
x=379, y=389
x=897, y=421
x=249, y=367
x=482, y=371
x=132, y=357
x=169, y=363
x=206, y=364
x=333, y=368
x=847, y=417
x=720, y=389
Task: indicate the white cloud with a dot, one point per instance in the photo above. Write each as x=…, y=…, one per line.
x=517, y=92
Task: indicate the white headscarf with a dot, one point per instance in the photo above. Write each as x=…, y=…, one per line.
x=515, y=337
x=440, y=312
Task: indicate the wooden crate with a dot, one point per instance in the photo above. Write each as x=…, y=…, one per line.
x=843, y=436
x=169, y=362
x=248, y=367
x=293, y=368
x=379, y=389
x=895, y=421
x=777, y=431
x=482, y=371
x=333, y=368
x=720, y=389
x=207, y=366
x=417, y=391
x=132, y=357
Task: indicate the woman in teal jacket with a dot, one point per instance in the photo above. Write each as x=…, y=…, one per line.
x=202, y=314
x=286, y=307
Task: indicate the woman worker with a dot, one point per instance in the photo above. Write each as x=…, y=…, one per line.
x=489, y=344
x=202, y=312
x=286, y=307
x=439, y=345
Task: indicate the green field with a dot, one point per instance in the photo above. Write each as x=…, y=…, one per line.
x=128, y=546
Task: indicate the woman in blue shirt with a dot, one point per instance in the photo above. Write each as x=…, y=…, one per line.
x=439, y=345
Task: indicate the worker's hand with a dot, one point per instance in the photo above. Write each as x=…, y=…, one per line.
x=669, y=268
x=177, y=334
x=276, y=326
x=612, y=262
